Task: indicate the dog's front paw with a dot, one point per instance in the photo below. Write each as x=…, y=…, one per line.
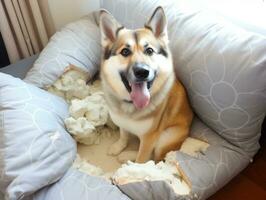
x=116, y=148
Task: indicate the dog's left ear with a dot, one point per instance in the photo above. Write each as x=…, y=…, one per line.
x=157, y=23
x=108, y=26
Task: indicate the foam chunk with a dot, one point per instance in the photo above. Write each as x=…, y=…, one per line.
x=165, y=171
x=82, y=130
x=72, y=84
x=87, y=115
x=88, y=110
x=85, y=167
x=93, y=108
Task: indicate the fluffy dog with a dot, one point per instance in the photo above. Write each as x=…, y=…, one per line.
x=143, y=95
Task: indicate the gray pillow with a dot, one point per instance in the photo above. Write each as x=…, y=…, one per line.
x=78, y=44
x=75, y=185
x=224, y=71
x=35, y=149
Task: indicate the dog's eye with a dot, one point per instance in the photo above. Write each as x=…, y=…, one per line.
x=149, y=51
x=125, y=52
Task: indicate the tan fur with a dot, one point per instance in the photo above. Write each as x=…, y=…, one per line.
x=168, y=111
x=173, y=115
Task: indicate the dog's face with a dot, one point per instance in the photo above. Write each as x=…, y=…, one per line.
x=135, y=63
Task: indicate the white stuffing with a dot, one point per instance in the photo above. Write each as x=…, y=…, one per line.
x=93, y=108
x=166, y=171
x=72, y=84
x=82, y=130
x=88, y=110
x=87, y=117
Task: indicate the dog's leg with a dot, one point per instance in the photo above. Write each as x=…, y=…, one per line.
x=120, y=144
x=171, y=139
x=146, y=148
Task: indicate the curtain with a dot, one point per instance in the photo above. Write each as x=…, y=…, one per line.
x=23, y=28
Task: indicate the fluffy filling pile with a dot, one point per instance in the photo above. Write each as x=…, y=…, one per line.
x=87, y=108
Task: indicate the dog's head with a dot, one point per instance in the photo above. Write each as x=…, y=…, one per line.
x=136, y=63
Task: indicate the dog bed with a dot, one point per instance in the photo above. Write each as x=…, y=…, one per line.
x=225, y=77
x=90, y=124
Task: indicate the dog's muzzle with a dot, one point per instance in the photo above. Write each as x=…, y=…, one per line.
x=137, y=73
x=138, y=80
x=141, y=72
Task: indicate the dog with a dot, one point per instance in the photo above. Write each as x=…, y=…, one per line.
x=143, y=95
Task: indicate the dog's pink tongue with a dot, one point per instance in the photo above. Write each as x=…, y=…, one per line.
x=140, y=95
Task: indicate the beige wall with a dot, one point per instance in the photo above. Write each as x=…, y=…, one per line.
x=57, y=13
x=65, y=11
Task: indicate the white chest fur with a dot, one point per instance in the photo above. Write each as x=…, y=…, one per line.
x=136, y=127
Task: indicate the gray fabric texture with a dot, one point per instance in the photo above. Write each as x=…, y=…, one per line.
x=1, y=196
x=224, y=71
x=77, y=43
x=76, y=185
x=35, y=149
x=20, y=68
x=153, y=190
x=207, y=173
x=214, y=168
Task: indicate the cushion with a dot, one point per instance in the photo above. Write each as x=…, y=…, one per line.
x=77, y=185
x=77, y=43
x=224, y=71
x=35, y=149
x=207, y=172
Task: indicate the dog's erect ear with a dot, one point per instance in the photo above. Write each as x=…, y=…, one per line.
x=157, y=23
x=108, y=26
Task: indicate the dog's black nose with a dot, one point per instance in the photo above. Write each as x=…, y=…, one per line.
x=141, y=71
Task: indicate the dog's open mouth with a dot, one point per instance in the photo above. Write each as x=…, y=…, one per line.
x=139, y=91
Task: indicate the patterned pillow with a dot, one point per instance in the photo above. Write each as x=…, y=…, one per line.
x=224, y=70
x=78, y=44
x=35, y=149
